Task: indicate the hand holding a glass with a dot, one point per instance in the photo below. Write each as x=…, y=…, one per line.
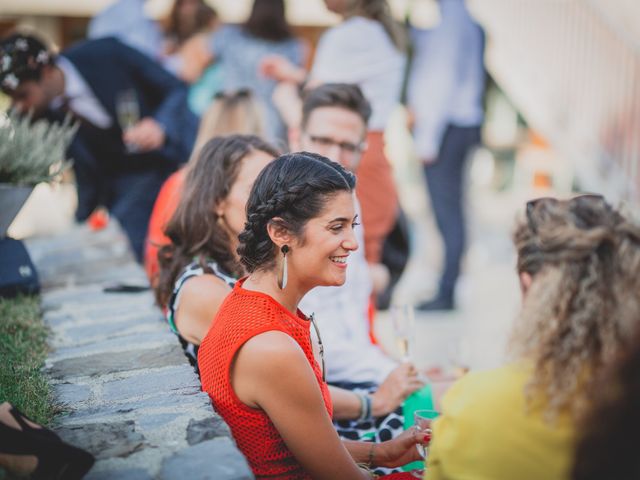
x=396, y=387
x=423, y=420
x=145, y=135
x=138, y=135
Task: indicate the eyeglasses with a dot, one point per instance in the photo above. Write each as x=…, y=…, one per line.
x=573, y=203
x=347, y=147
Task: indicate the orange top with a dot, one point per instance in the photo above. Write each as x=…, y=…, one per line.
x=166, y=204
x=243, y=315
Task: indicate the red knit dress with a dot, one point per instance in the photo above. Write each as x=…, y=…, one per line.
x=243, y=315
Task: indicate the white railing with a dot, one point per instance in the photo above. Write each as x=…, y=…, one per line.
x=572, y=67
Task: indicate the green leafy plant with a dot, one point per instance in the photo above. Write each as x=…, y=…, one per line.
x=33, y=152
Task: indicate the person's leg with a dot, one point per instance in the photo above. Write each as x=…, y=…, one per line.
x=132, y=199
x=89, y=177
x=445, y=180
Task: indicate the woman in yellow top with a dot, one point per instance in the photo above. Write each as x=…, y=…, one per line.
x=578, y=262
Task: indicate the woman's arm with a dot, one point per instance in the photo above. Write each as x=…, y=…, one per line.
x=272, y=373
x=200, y=299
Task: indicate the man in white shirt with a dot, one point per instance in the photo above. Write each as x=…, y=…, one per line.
x=334, y=124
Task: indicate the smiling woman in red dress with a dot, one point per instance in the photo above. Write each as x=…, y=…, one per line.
x=258, y=362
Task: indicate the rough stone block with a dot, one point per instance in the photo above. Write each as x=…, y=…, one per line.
x=122, y=474
x=71, y=394
x=105, y=363
x=115, y=345
x=104, y=440
x=196, y=403
x=147, y=423
x=216, y=459
x=166, y=380
x=199, y=431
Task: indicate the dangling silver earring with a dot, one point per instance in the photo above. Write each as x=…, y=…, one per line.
x=282, y=280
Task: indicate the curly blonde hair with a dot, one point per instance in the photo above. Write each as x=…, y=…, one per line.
x=584, y=257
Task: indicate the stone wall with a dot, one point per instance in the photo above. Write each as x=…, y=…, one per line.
x=127, y=392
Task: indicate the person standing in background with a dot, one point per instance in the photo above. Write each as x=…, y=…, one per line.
x=367, y=49
x=175, y=45
x=445, y=94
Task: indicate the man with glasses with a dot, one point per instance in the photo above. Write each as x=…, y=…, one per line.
x=334, y=124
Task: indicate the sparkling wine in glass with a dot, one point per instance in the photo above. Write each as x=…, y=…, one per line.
x=403, y=320
x=422, y=421
x=128, y=112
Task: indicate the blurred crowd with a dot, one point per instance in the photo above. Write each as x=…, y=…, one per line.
x=241, y=177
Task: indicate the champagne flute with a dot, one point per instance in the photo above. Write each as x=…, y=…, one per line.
x=128, y=112
x=403, y=319
x=459, y=353
x=422, y=421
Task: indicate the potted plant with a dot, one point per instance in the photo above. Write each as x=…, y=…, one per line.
x=30, y=153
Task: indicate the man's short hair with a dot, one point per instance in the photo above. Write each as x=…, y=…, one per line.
x=343, y=95
x=22, y=58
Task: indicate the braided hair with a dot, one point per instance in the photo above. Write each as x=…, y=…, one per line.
x=294, y=188
x=584, y=256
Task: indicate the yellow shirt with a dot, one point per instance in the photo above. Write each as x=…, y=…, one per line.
x=486, y=433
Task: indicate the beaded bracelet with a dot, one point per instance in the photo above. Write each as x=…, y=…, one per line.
x=365, y=407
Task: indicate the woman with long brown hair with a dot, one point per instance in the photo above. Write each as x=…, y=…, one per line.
x=578, y=264
x=198, y=267
x=229, y=113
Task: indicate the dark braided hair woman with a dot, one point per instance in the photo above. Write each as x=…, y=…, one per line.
x=258, y=363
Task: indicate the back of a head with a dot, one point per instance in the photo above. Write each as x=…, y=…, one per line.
x=379, y=11
x=22, y=58
x=294, y=188
x=203, y=18
x=341, y=95
x=194, y=229
x=230, y=113
x=268, y=21
x=583, y=256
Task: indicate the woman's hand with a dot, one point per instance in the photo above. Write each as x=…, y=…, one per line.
x=401, y=450
x=280, y=69
x=399, y=384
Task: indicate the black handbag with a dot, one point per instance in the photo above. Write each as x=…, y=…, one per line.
x=18, y=274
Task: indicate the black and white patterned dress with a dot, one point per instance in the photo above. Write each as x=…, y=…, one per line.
x=192, y=270
x=378, y=429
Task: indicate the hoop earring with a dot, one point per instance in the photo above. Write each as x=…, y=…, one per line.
x=282, y=278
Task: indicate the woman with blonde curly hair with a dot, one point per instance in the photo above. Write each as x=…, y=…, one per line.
x=577, y=261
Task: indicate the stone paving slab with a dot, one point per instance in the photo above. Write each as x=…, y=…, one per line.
x=127, y=392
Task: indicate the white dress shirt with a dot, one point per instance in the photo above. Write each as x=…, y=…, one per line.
x=81, y=98
x=342, y=317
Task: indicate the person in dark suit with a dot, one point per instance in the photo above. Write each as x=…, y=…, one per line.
x=135, y=125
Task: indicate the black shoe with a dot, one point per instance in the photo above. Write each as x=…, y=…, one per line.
x=21, y=418
x=438, y=303
x=56, y=459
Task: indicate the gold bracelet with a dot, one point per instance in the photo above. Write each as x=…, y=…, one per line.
x=372, y=452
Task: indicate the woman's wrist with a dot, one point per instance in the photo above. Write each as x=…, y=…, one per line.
x=378, y=405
